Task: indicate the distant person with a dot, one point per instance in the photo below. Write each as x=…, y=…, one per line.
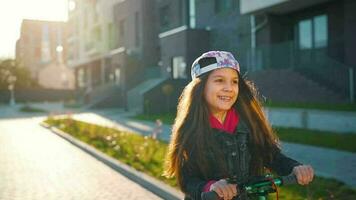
x=220, y=132
x=157, y=129
x=87, y=94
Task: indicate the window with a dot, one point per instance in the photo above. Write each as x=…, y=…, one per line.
x=117, y=76
x=181, y=13
x=179, y=68
x=81, y=78
x=137, y=30
x=71, y=5
x=97, y=33
x=192, y=13
x=112, y=34
x=85, y=20
x=44, y=50
x=320, y=31
x=313, y=33
x=305, y=36
x=89, y=44
x=164, y=17
x=122, y=28
x=224, y=5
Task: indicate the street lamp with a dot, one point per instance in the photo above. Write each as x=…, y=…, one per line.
x=59, y=50
x=11, y=80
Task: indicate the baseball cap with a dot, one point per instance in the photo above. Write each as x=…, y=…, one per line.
x=213, y=60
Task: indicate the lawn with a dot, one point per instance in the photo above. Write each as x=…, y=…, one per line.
x=30, y=109
x=344, y=142
x=168, y=118
x=146, y=154
x=349, y=107
x=143, y=153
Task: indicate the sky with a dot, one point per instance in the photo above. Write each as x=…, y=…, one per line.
x=13, y=11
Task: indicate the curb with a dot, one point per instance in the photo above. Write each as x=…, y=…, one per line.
x=155, y=186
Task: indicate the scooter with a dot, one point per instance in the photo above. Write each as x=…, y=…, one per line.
x=258, y=186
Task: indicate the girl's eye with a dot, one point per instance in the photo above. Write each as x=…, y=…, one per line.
x=235, y=81
x=218, y=80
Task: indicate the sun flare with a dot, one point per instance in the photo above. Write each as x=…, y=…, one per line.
x=11, y=15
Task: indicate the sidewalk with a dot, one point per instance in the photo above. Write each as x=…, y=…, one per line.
x=37, y=164
x=326, y=162
x=323, y=120
x=8, y=112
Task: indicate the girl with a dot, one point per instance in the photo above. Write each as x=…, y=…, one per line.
x=221, y=132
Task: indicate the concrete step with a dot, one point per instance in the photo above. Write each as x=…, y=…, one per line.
x=286, y=85
x=135, y=96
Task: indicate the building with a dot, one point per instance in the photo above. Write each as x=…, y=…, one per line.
x=179, y=39
x=138, y=40
x=135, y=48
x=113, y=46
x=56, y=75
x=314, y=38
x=291, y=49
x=191, y=27
x=91, y=38
x=41, y=45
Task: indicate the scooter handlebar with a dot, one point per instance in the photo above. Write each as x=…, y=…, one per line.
x=283, y=180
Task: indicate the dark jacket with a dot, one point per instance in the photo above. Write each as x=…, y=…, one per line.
x=237, y=156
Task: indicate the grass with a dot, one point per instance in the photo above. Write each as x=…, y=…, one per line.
x=319, y=189
x=30, y=109
x=345, y=142
x=143, y=153
x=167, y=118
x=72, y=104
x=319, y=106
x=147, y=155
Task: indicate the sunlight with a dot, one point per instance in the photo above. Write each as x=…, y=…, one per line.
x=43, y=9
x=12, y=13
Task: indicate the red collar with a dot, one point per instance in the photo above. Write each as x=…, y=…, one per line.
x=230, y=123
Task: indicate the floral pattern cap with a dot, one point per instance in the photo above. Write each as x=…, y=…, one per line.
x=223, y=59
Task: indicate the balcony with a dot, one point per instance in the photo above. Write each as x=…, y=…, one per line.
x=275, y=6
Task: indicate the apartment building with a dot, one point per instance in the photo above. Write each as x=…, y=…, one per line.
x=42, y=44
x=113, y=45
x=315, y=38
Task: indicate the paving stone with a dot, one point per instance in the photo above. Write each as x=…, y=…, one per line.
x=36, y=164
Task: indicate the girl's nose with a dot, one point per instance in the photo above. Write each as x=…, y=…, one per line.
x=228, y=87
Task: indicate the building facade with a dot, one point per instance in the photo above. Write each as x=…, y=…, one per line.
x=113, y=45
x=91, y=38
x=41, y=44
x=315, y=38
x=190, y=27
x=125, y=43
x=138, y=40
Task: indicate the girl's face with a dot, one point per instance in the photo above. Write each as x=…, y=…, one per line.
x=221, y=90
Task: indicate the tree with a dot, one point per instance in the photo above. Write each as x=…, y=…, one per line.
x=8, y=68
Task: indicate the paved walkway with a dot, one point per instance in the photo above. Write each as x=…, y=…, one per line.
x=340, y=165
x=37, y=164
x=12, y=112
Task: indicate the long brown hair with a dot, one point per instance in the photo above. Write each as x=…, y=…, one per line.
x=192, y=132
